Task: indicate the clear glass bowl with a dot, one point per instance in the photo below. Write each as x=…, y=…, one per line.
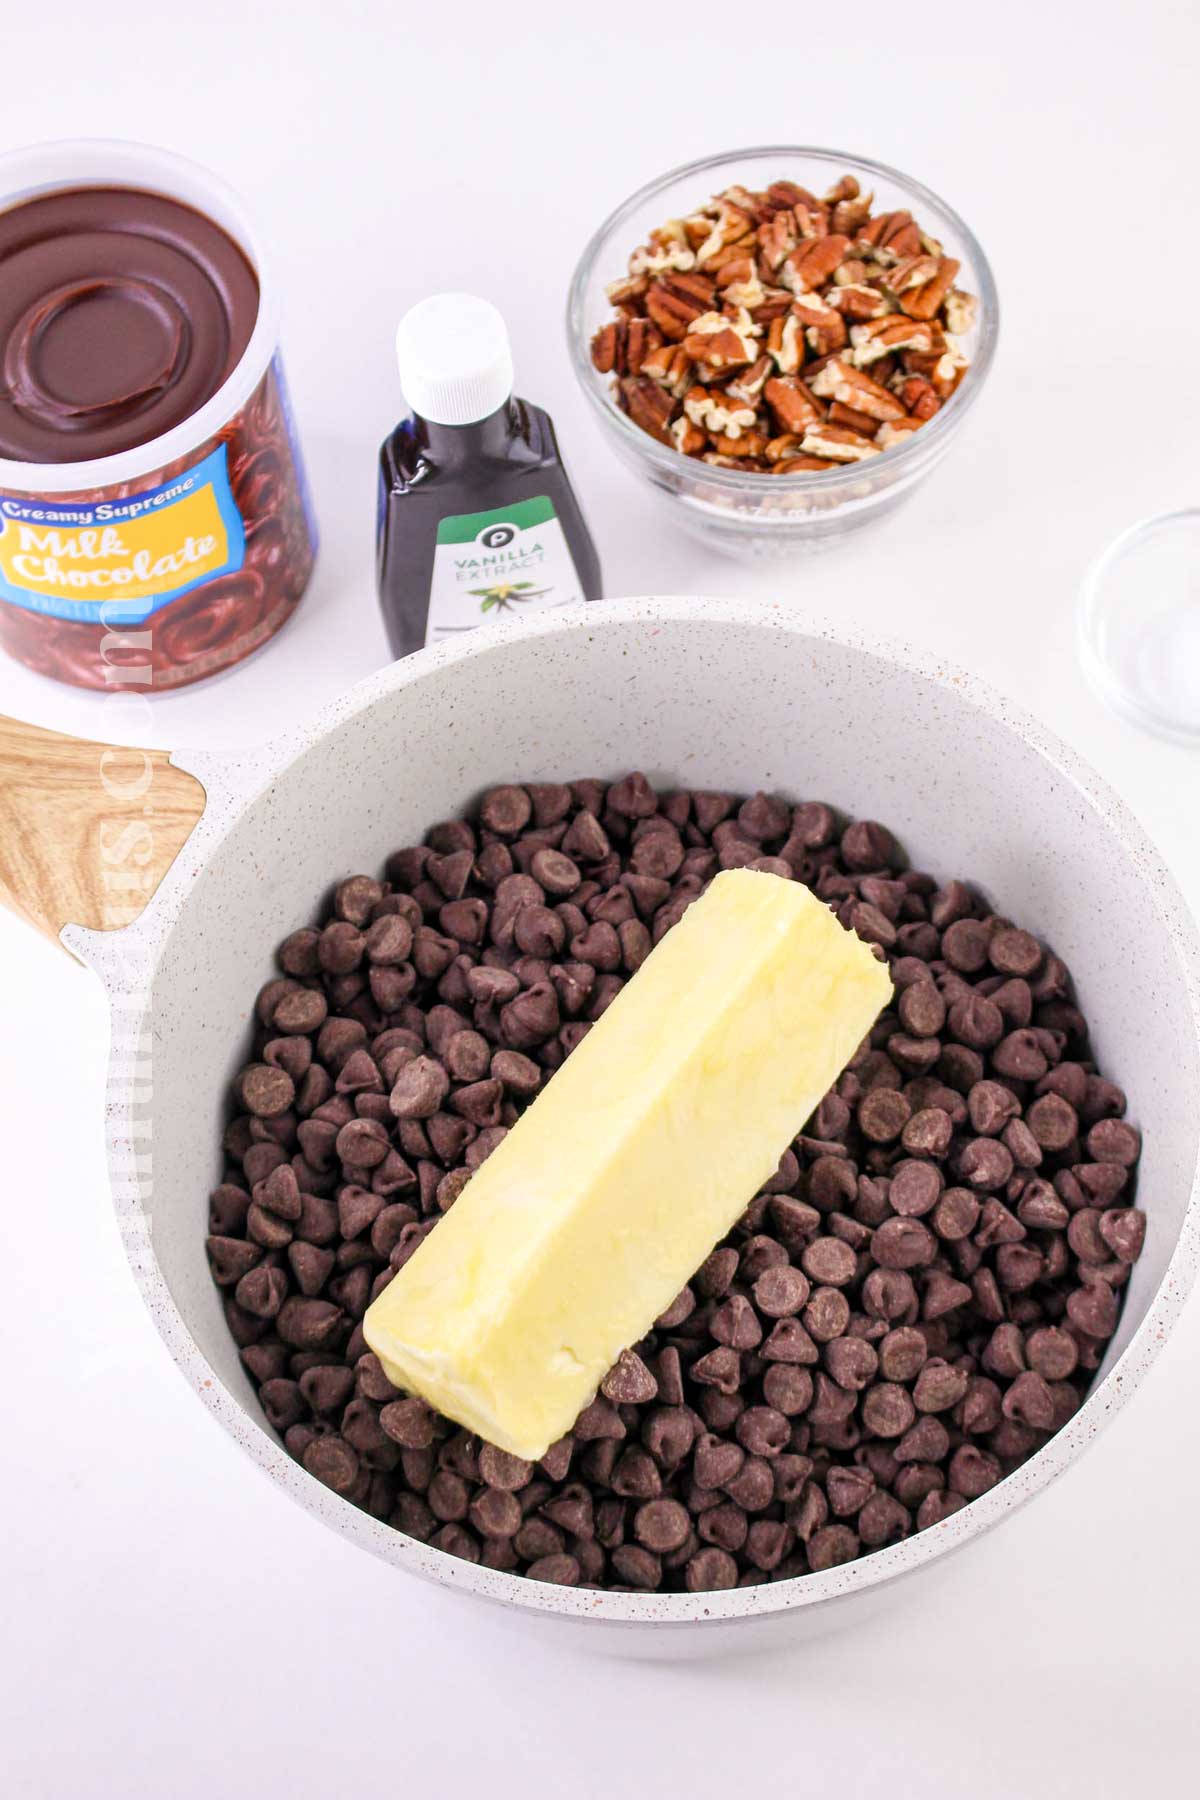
x=1139, y=625
x=738, y=511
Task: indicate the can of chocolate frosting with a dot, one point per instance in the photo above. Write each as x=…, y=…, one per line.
x=155, y=520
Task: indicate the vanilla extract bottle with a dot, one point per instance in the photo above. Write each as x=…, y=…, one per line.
x=477, y=519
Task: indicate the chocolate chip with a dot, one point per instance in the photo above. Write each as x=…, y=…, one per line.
x=922, y=1009
x=825, y=1317
x=1123, y=1230
x=661, y=1525
x=852, y=1362
x=629, y=1382
x=265, y=1091
x=710, y=1570
x=883, y=1114
x=831, y=1546
x=1014, y=952
x=828, y=1260
x=734, y=1322
x=788, y=1387
x=869, y=845
x=965, y=945
x=762, y=1431
x=902, y=1243
x=1030, y=1402
x=419, y=1089
x=1093, y=1310
x=902, y=1354
x=985, y=1163
x=333, y=1462
x=939, y=1386
x=973, y=1311
x=1020, y=1055
x=780, y=1292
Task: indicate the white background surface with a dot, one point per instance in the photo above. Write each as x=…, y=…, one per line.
x=171, y=1625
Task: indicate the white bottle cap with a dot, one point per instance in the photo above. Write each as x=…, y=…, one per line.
x=455, y=359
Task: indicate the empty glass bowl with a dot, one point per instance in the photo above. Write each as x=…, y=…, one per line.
x=758, y=516
x=1139, y=625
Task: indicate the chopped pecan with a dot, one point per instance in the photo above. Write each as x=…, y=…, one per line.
x=738, y=269
x=745, y=295
x=688, y=438
x=773, y=330
x=642, y=338
x=845, y=188
x=734, y=253
x=698, y=289
x=838, y=380
x=755, y=206
x=649, y=406
x=858, y=301
x=792, y=405
x=672, y=314
x=825, y=340
x=812, y=221
x=861, y=422
x=850, y=216
x=721, y=342
x=812, y=263
x=912, y=272
x=877, y=338
x=718, y=413
x=827, y=334
x=891, y=235
x=748, y=385
x=671, y=366
x=941, y=368
x=656, y=259
x=776, y=241
x=838, y=444
x=895, y=431
x=626, y=292
x=917, y=397
x=960, y=310
x=926, y=300
x=752, y=444
x=815, y=367
x=785, y=343
x=608, y=346
x=775, y=302
x=790, y=193
x=731, y=226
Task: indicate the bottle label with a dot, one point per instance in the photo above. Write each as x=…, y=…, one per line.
x=505, y=564
x=118, y=558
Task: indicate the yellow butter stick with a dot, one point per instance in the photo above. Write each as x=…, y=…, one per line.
x=633, y=1162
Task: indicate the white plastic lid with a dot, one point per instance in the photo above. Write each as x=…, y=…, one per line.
x=455, y=359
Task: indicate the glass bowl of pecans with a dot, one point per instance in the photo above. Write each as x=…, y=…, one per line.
x=782, y=341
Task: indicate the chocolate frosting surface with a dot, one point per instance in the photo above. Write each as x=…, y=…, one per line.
x=121, y=313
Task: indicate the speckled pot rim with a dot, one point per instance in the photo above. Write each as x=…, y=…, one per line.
x=125, y=960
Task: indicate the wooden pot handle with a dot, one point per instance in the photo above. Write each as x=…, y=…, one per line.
x=87, y=831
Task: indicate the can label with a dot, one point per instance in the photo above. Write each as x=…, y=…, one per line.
x=117, y=560
x=503, y=564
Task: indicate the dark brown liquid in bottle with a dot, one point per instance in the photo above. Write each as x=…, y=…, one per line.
x=434, y=548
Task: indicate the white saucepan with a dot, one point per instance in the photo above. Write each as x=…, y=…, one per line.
x=702, y=693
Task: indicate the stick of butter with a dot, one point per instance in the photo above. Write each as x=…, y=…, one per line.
x=632, y=1163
